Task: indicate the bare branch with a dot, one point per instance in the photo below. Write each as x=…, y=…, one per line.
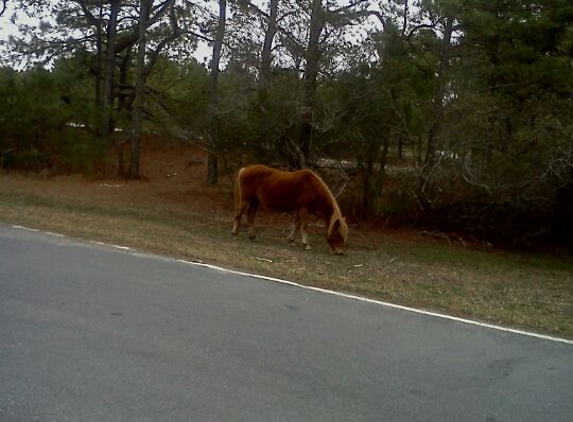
x=349, y=6
x=131, y=38
x=431, y=25
x=91, y=19
x=344, y=182
x=4, y=7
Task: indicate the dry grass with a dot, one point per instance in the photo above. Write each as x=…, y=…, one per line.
x=180, y=216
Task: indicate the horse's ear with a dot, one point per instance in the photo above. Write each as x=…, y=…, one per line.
x=342, y=226
x=334, y=226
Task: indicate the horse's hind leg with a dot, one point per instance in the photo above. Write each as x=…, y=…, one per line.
x=238, y=214
x=251, y=211
x=303, y=222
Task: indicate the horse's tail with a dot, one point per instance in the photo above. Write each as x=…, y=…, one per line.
x=238, y=190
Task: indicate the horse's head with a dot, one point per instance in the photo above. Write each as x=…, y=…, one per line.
x=337, y=234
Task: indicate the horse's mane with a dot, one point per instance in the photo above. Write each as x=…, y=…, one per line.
x=325, y=190
x=336, y=214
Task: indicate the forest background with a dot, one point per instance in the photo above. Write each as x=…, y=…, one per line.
x=448, y=115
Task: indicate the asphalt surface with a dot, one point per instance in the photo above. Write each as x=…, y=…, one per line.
x=93, y=333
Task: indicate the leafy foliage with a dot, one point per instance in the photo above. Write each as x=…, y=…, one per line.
x=42, y=122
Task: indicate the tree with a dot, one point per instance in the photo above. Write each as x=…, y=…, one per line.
x=144, y=10
x=325, y=20
x=495, y=160
x=302, y=38
x=106, y=27
x=212, y=163
x=109, y=69
x=515, y=76
x=266, y=53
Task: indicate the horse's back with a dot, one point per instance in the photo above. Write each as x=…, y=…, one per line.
x=251, y=177
x=275, y=189
x=255, y=172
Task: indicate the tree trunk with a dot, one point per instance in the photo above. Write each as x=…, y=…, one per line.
x=133, y=172
x=266, y=54
x=99, y=65
x=107, y=100
x=431, y=162
x=440, y=93
x=310, y=82
x=97, y=23
x=213, y=157
x=123, y=106
x=373, y=175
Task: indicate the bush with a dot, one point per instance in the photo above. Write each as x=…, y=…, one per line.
x=79, y=151
x=40, y=111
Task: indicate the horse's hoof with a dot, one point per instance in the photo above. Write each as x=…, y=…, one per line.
x=307, y=247
x=252, y=236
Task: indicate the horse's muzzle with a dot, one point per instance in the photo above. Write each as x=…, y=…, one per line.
x=338, y=251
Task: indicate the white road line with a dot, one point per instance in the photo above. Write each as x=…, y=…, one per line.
x=26, y=228
x=386, y=304
x=339, y=294
x=125, y=248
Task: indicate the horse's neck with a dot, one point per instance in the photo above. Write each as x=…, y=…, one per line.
x=328, y=210
x=326, y=203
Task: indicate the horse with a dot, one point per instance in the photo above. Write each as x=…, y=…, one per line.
x=302, y=191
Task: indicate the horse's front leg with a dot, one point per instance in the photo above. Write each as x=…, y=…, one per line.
x=251, y=211
x=303, y=222
x=294, y=227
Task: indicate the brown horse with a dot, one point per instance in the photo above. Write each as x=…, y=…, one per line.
x=302, y=191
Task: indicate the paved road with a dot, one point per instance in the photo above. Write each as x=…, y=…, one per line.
x=90, y=333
